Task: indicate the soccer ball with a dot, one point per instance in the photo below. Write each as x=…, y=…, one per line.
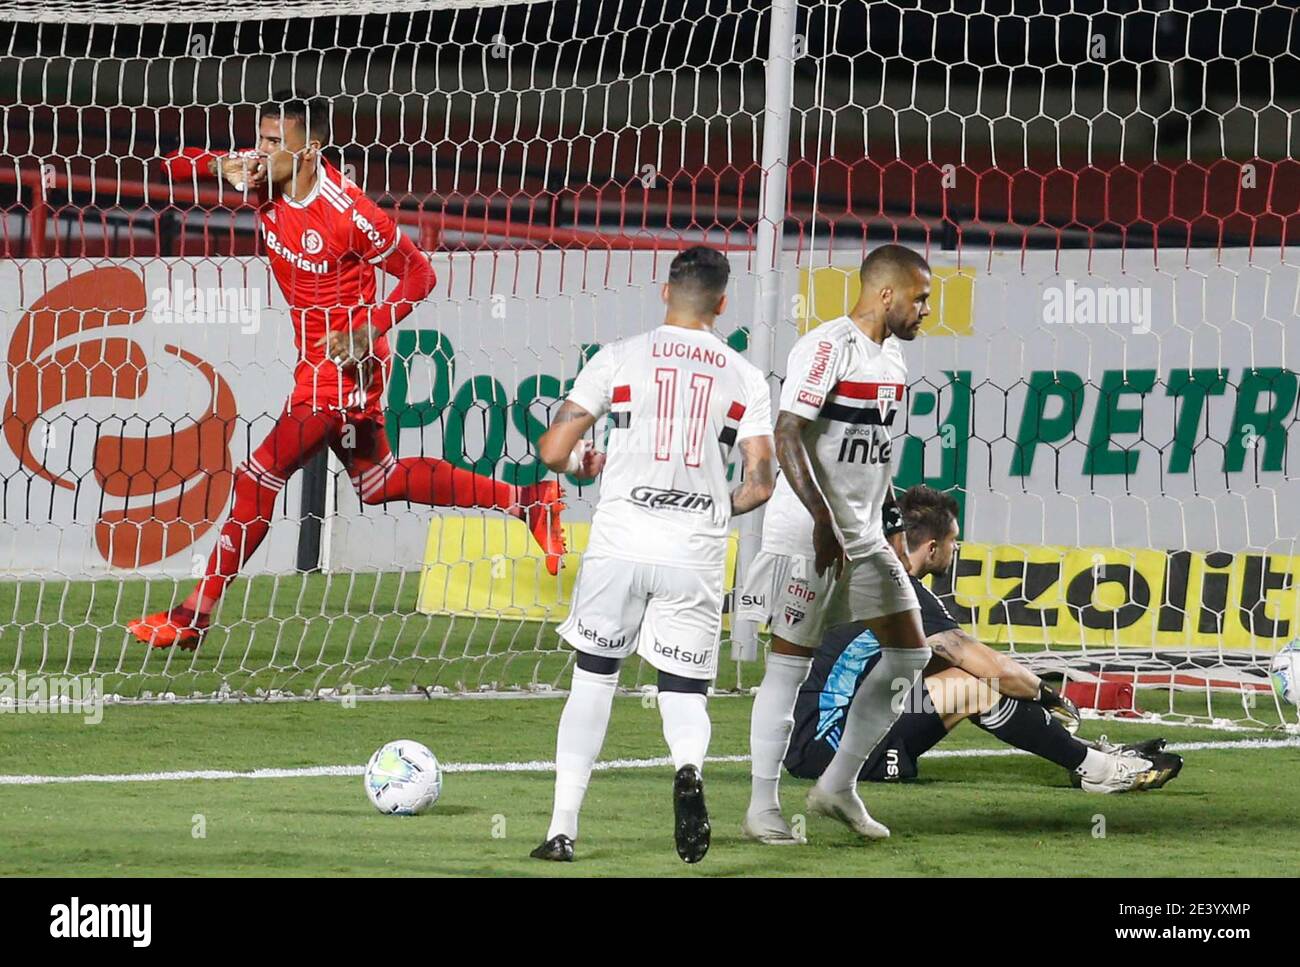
x=1285, y=673
x=403, y=779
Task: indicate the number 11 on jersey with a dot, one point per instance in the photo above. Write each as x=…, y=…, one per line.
x=701, y=385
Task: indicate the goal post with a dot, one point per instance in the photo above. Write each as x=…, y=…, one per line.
x=1107, y=384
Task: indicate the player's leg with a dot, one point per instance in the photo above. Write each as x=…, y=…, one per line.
x=602, y=626
x=1031, y=727
x=925, y=722
x=875, y=590
x=680, y=637
x=379, y=477
x=797, y=597
x=683, y=706
x=297, y=435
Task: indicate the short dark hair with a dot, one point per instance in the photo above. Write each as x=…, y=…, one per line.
x=313, y=115
x=890, y=262
x=928, y=514
x=699, y=275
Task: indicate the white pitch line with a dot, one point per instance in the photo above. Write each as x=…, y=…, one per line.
x=311, y=772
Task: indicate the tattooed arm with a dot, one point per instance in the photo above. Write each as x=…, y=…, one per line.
x=792, y=454
x=759, y=479
x=975, y=658
x=558, y=446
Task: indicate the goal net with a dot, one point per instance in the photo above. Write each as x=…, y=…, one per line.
x=1105, y=190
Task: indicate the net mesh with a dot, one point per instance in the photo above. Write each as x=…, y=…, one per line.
x=1106, y=190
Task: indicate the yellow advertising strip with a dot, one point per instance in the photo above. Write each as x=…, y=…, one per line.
x=491, y=566
x=1106, y=597
x=1098, y=597
x=827, y=293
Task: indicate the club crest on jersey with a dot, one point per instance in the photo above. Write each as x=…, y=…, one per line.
x=312, y=243
x=886, y=397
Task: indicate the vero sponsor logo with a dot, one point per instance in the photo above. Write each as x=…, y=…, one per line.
x=368, y=229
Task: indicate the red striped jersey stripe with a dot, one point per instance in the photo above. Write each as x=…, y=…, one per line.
x=866, y=391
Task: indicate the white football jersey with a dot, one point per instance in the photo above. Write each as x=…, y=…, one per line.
x=852, y=390
x=679, y=401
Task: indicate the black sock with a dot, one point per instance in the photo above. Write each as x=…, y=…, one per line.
x=1029, y=726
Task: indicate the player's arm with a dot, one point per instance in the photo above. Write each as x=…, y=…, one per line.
x=564, y=447
x=1012, y=679
x=383, y=244
x=792, y=455
x=754, y=435
x=975, y=658
x=759, y=480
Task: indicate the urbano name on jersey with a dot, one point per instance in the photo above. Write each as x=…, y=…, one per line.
x=654, y=498
x=821, y=359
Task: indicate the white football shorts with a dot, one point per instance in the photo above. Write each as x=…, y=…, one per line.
x=671, y=616
x=784, y=592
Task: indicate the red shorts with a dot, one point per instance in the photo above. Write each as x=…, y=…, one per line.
x=356, y=390
x=357, y=438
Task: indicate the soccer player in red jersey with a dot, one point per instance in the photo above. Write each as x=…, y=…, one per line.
x=324, y=239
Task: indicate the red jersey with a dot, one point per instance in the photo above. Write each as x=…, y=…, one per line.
x=323, y=252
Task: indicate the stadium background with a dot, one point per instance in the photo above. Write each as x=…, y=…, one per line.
x=553, y=156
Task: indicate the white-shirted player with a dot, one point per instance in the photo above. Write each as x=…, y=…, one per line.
x=843, y=391
x=679, y=400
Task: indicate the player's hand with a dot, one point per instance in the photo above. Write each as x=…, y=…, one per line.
x=349, y=347
x=1061, y=708
x=585, y=462
x=593, y=462
x=828, y=551
x=244, y=172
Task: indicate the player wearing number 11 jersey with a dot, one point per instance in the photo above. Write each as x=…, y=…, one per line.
x=679, y=402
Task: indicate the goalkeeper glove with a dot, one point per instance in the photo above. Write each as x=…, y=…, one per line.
x=1060, y=707
x=891, y=517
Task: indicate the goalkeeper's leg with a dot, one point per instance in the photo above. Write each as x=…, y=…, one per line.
x=297, y=436
x=379, y=477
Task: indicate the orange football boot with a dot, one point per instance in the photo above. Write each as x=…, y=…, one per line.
x=540, y=505
x=179, y=627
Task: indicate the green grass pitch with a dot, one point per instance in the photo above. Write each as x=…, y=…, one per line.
x=1231, y=813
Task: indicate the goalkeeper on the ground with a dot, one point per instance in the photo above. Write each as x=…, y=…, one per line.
x=964, y=680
